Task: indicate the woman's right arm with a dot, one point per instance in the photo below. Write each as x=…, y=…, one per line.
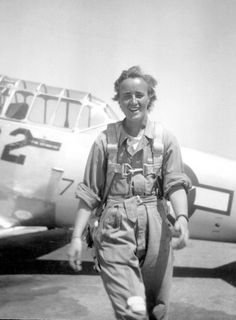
x=89, y=192
x=75, y=247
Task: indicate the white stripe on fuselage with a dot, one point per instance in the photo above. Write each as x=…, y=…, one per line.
x=212, y=199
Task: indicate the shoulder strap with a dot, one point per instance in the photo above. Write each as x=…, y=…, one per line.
x=154, y=164
x=158, y=146
x=112, y=150
x=112, y=142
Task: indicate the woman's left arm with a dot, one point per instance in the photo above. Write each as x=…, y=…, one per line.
x=178, y=199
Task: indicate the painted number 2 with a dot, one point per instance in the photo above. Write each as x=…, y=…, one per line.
x=28, y=140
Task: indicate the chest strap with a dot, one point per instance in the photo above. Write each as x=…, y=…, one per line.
x=125, y=169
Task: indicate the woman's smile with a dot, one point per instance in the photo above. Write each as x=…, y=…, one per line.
x=134, y=98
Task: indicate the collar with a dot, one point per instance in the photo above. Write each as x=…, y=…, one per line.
x=149, y=131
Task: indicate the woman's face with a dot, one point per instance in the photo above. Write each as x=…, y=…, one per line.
x=134, y=98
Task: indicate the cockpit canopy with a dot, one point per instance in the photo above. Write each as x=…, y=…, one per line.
x=38, y=103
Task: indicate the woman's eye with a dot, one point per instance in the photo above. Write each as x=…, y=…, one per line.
x=139, y=95
x=127, y=96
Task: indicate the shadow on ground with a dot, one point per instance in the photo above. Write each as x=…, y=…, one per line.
x=226, y=272
x=20, y=253
x=33, y=245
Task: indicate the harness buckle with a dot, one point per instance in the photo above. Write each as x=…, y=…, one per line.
x=127, y=169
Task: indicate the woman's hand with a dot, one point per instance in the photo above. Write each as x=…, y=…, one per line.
x=179, y=202
x=74, y=253
x=181, y=226
x=75, y=247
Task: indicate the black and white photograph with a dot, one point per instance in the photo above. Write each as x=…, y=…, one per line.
x=118, y=159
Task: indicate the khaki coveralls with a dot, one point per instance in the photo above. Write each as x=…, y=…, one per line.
x=133, y=240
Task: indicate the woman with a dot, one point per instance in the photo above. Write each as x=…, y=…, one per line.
x=132, y=168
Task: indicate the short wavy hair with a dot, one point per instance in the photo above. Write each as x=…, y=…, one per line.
x=136, y=72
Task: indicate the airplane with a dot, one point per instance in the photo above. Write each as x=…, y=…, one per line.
x=45, y=135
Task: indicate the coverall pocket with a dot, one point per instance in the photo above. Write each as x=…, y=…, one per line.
x=119, y=186
x=111, y=219
x=109, y=225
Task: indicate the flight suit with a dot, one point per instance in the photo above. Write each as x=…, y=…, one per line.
x=133, y=240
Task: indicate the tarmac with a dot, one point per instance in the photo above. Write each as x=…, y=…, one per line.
x=36, y=284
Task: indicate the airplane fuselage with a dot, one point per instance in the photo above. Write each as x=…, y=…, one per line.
x=45, y=138
x=212, y=202
x=38, y=179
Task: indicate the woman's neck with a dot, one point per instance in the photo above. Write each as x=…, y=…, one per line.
x=133, y=128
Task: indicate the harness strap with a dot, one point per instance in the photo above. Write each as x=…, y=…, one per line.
x=112, y=148
x=152, y=163
x=158, y=147
x=150, y=166
x=112, y=143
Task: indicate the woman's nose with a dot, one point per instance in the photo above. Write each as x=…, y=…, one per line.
x=134, y=99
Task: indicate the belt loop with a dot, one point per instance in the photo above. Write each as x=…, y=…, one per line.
x=131, y=208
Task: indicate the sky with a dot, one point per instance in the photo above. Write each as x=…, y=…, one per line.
x=189, y=46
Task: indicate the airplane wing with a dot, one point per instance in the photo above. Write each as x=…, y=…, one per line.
x=19, y=243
